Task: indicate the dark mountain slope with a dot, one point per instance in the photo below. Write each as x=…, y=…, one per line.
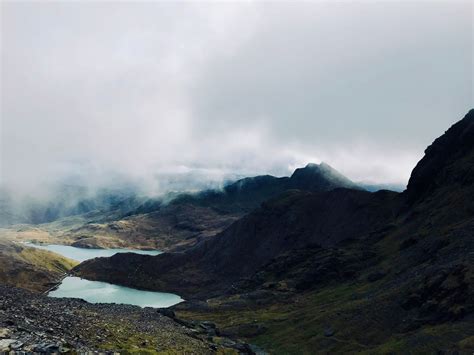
x=440, y=191
x=435, y=256
x=294, y=221
x=447, y=162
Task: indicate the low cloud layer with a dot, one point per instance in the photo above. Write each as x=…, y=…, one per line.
x=108, y=91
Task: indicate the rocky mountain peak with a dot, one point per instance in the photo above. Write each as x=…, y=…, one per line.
x=314, y=176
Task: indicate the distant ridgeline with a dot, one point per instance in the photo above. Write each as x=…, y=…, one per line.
x=247, y=194
x=240, y=196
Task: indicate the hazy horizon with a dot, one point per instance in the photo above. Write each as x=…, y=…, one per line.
x=132, y=92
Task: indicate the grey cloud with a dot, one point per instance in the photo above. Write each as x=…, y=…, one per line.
x=132, y=89
x=330, y=73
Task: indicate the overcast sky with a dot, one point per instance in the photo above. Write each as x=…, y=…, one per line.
x=102, y=89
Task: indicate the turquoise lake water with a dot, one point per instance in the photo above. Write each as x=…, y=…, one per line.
x=82, y=254
x=102, y=292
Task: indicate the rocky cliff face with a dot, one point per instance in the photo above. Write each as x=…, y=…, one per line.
x=440, y=192
x=448, y=161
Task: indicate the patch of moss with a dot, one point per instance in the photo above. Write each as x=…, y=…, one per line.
x=336, y=319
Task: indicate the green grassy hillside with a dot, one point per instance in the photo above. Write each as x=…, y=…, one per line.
x=30, y=268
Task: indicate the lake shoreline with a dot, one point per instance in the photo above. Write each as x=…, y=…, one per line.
x=107, y=293
x=69, y=285
x=56, y=284
x=80, y=254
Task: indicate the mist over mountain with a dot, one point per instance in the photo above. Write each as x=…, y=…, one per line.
x=244, y=177
x=126, y=199
x=75, y=196
x=373, y=187
x=145, y=94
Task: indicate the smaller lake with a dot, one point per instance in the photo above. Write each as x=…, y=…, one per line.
x=82, y=254
x=102, y=292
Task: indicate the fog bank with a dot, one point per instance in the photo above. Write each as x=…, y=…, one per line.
x=115, y=93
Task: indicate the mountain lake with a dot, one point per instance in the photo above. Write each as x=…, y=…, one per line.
x=103, y=292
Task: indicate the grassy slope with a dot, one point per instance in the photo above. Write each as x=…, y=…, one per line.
x=31, y=268
x=298, y=327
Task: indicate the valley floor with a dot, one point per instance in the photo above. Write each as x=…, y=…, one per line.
x=173, y=228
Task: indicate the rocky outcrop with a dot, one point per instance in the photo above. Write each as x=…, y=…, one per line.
x=445, y=295
x=448, y=160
